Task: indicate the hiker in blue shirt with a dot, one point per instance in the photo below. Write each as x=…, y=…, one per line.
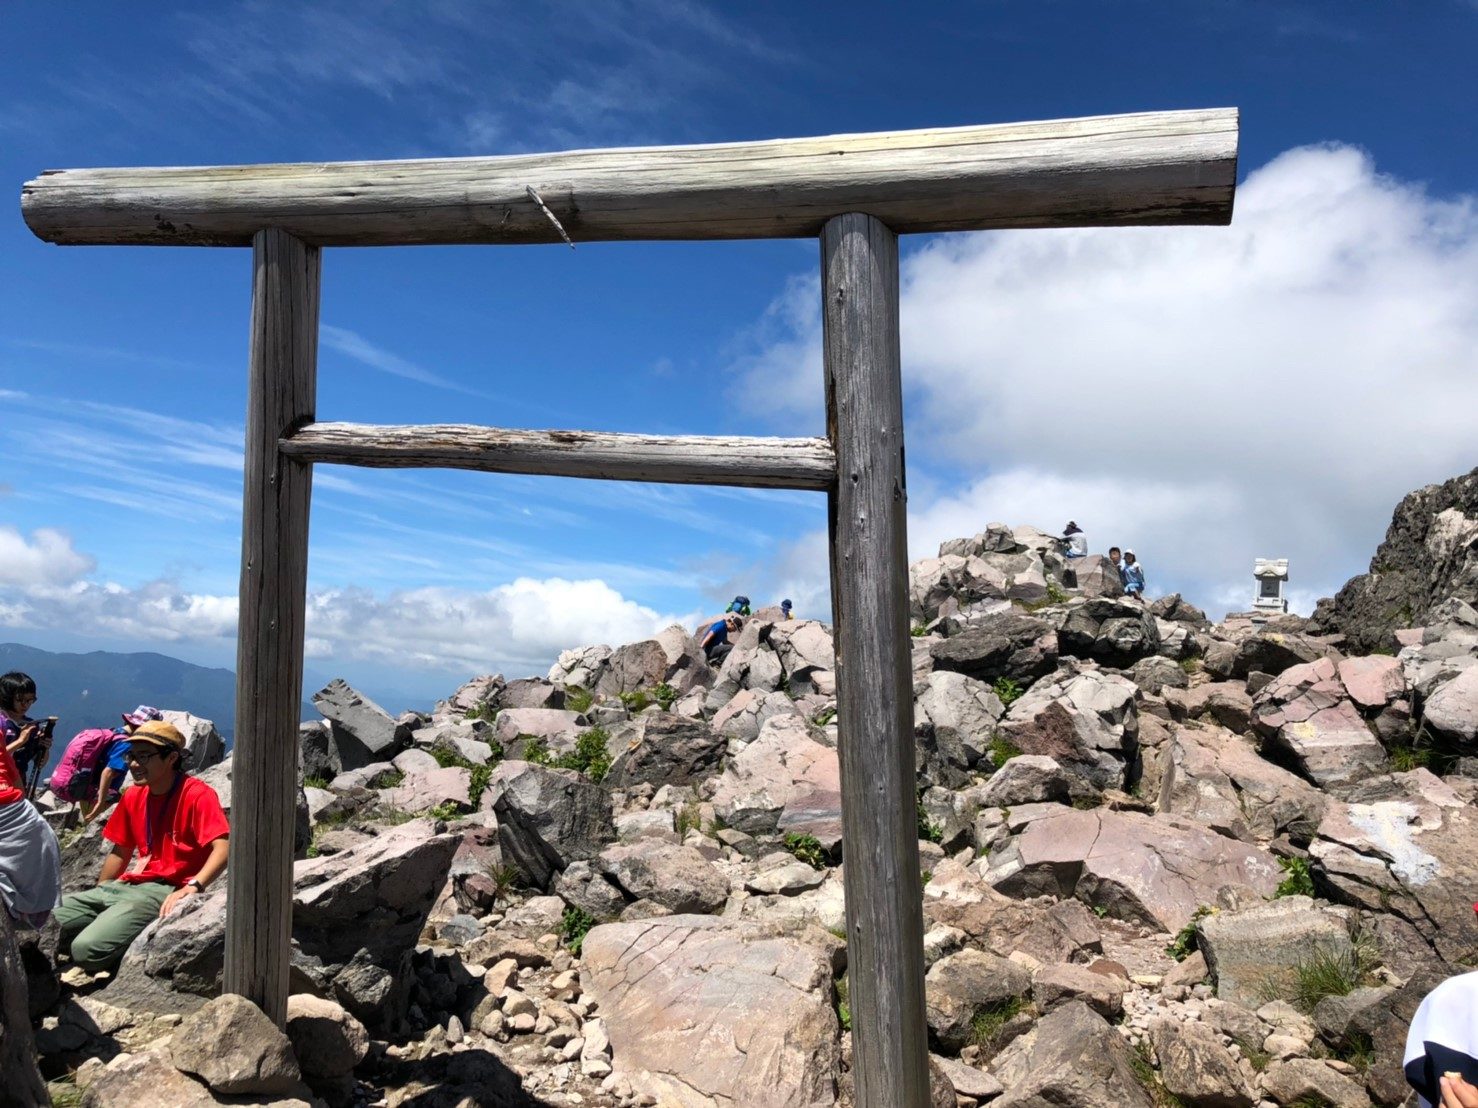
x=716, y=644
x=1133, y=575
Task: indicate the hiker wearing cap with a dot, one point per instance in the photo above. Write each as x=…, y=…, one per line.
x=715, y=643
x=785, y=610
x=174, y=822
x=92, y=767
x=30, y=860
x=1133, y=575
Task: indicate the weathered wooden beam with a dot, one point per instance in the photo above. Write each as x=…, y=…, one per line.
x=269, y=640
x=869, y=589
x=1150, y=168
x=684, y=460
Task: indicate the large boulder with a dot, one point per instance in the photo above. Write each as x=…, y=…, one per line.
x=1430, y=553
x=1196, y=1068
x=1450, y=714
x=204, y=746
x=23, y=1083
x=638, y=665
x=581, y=668
x=703, y=1011
x=1254, y=954
x=665, y=749
x=676, y=877
x=1218, y=779
x=327, y=1040
x=783, y=767
x=959, y=986
x=356, y=914
x=1155, y=870
x=1072, y=1056
x=955, y=718
x=961, y=579
x=146, y=1078
x=235, y=1049
x=1097, y=576
x=1305, y=713
x=548, y=818
x=1114, y=632
x=807, y=655
x=1008, y=645
x=361, y=731
x=1087, y=722
x=1272, y=651
x=956, y=897
x=1406, y=844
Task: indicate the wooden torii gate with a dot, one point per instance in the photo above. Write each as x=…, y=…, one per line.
x=857, y=193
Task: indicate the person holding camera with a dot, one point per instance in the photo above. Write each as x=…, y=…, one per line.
x=30, y=859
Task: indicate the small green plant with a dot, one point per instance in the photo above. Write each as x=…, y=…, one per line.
x=394, y=817
x=1256, y=1056
x=315, y=781
x=477, y=784
x=1312, y=1100
x=574, y=925
x=446, y=811
x=535, y=750
x=1100, y=911
x=807, y=848
x=1407, y=758
x=986, y=1024
x=636, y=700
x=578, y=699
x=591, y=755
x=1358, y=1050
x=688, y=818
x=1144, y=1073
x=390, y=779
x=65, y=1093
x=505, y=879
x=1087, y=802
x=1332, y=973
x=1055, y=595
x=1298, y=882
x=929, y=831
x=1191, y=665
x=918, y=630
x=483, y=711
x=925, y=876
x=1007, y=690
x=1002, y=749
x=665, y=696
x=843, y=996
x=1186, y=939
x=823, y=717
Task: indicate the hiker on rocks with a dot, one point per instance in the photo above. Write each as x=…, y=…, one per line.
x=1132, y=575
x=91, y=769
x=1073, y=542
x=175, y=823
x=716, y=644
x=785, y=610
x=30, y=859
x=739, y=605
x=1116, y=556
x=23, y=737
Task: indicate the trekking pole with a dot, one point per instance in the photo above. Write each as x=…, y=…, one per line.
x=44, y=731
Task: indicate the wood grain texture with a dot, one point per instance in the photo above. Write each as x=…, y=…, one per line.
x=1149, y=168
x=869, y=588
x=269, y=651
x=688, y=460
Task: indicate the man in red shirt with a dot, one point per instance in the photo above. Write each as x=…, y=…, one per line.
x=175, y=824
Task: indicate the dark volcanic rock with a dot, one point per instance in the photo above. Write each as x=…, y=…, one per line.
x=1005, y=645
x=1429, y=554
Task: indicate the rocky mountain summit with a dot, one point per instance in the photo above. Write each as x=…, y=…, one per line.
x=1165, y=862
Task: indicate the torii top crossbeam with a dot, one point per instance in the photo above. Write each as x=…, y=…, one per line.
x=856, y=193
x=1150, y=168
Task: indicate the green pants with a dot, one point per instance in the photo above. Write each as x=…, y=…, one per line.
x=99, y=924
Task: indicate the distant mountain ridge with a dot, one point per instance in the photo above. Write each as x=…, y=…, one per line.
x=91, y=690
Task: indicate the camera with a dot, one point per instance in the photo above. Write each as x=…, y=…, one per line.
x=45, y=728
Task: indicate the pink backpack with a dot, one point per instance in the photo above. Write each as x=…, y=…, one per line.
x=75, y=776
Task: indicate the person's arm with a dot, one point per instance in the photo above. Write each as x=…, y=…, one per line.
x=207, y=873
x=105, y=783
x=114, y=864
x=28, y=732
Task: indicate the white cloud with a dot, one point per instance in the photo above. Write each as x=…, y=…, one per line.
x=45, y=559
x=1206, y=395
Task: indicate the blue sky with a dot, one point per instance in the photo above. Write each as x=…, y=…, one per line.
x=1206, y=395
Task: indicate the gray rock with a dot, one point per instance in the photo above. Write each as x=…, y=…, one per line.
x=531, y=692
x=782, y=768
x=962, y=984
x=1114, y=632
x=706, y=1010
x=1155, y=675
x=235, y=1049
x=204, y=746
x=666, y=749
x=954, y=719
x=327, y=1040
x=548, y=818
x=1196, y=1068
x=1428, y=555
x=1060, y=984
x=1311, y=1081
x=1451, y=712
x=1027, y=779
x=1087, y=722
x=1305, y=713
x=638, y=665
x=1272, y=652
x=1218, y=779
x=676, y=877
x=130, y=1080
x=360, y=729
x=1017, y=647
x=1255, y=952
x=582, y=886
x=1072, y=1056
x=581, y=668
x=318, y=755
x=23, y=1080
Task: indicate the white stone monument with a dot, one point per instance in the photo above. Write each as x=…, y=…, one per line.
x=1271, y=575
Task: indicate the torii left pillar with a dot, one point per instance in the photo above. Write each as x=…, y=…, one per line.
x=282, y=385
